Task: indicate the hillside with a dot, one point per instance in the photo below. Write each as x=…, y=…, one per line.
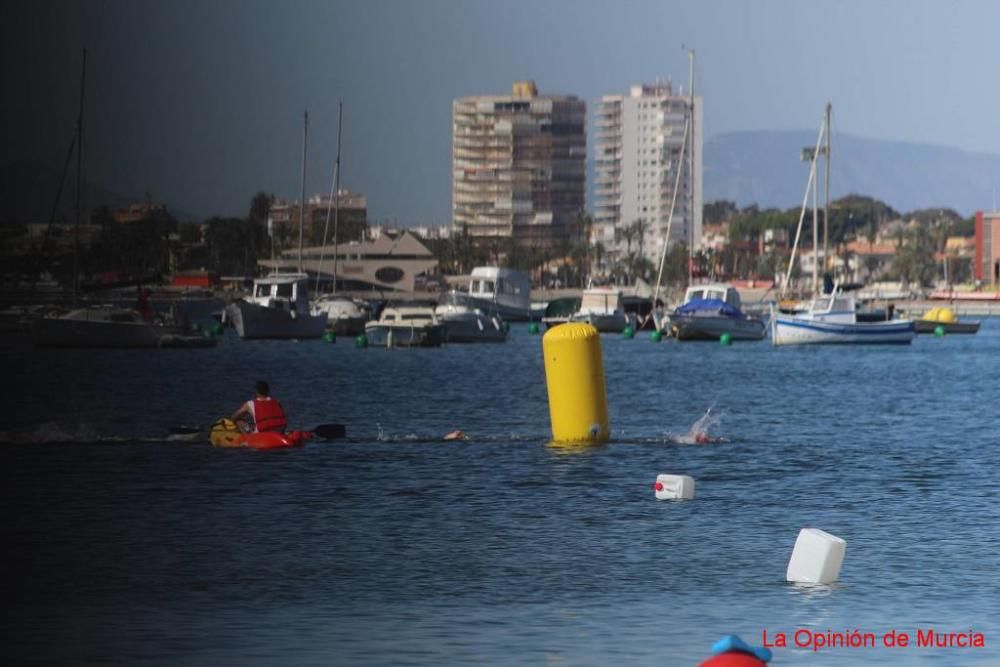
x=765, y=167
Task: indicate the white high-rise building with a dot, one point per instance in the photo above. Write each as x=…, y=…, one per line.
x=638, y=154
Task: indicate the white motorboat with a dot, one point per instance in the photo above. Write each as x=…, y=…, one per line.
x=603, y=308
x=405, y=326
x=505, y=292
x=832, y=319
x=277, y=308
x=104, y=326
x=344, y=316
x=464, y=322
x=711, y=310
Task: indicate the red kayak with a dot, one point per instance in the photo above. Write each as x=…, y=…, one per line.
x=225, y=433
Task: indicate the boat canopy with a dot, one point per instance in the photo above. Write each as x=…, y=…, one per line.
x=712, y=306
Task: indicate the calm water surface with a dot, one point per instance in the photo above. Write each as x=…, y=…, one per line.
x=394, y=547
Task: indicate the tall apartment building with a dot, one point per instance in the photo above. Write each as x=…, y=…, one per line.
x=637, y=156
x=519, y=165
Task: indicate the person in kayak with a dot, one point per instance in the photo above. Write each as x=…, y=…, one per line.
x=263, y=412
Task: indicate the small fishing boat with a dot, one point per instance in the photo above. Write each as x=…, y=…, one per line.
x=104, y=326
x=405, y=326
x=225, y=433
x=505, y=292
x=832, y=319
x=344, y=316
x=277, y=308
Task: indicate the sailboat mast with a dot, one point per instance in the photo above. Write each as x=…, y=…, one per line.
x=815, y=191
x=302, y=201
x=336, y=194
x=826, y=205
x=691, y=213
x=79, y=181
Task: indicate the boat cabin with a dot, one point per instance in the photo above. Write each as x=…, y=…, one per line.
x=499, y=285
x=284, y=291
x=412, y=316
x=601, y=300
x=720, y=291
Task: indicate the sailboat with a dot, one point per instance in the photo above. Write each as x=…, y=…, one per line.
x=100, y=325
x=829, y=318
x=279, y=306
x=345, y=317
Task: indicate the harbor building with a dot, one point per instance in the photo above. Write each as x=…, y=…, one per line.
x=391, y=263
x=519, y=166
x=637, y=157
x=986, y=269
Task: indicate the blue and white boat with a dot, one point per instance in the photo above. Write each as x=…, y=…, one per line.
x=832, y=319
x=711, y=310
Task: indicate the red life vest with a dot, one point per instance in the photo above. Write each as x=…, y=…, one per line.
x=268, y=415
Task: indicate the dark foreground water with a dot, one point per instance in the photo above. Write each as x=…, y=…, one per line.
x=396, y=548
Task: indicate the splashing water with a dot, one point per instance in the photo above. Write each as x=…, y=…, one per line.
x=699, y=434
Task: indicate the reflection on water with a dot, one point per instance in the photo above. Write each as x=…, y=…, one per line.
x=397, y=547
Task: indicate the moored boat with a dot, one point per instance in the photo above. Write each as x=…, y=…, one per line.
x=945, y=319
x=465, y=323
x=711, y=310
x=505, y=292
x=103, y=326
x=344, y=316
x=405, y=326
x=602, y=308
x=832, y=319
x=277, y=308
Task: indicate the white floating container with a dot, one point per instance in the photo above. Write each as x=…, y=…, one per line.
x=816, y=558
x=674, y=487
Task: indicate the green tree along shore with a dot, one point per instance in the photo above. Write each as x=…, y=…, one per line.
x=158, y=244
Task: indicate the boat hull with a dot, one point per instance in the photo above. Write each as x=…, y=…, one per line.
x=263, y=440
x=610, y=323
x=696, y=327
x=472, y=328
x=928, y=327
x=254, y=321
x=59, y=332
x=383, y=335
x=791, y=330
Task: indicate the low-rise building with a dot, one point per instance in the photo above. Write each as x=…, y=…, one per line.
x=986, y=266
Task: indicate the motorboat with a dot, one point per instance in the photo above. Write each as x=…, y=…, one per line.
x=105, y=326
x=603, y=308
x=711, y=310
x=558, y=311
x=505, y=292
x=946, y=319
x=832, y=319
x=278, y=307
x=405, y=326
x=344, y=316
x=464, y=322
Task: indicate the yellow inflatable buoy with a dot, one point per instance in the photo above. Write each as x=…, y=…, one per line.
x=574, y=376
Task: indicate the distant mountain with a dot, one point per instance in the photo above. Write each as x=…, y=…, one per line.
x=765, y=168
x=28, y=191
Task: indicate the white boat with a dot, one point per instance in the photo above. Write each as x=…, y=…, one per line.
x=104, y=326
x=505, y=292
x=602, y=307
x=464, y=322
x=277, y=308
x=832, y=319
x=711, y=310
x=344, y=316
x=405, y=326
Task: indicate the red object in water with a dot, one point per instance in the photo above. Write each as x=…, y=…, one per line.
x=733, y=659
x=274, y=440
x=658, y=486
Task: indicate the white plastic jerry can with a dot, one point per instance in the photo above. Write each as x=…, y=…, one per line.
x=674, y=487
x=816, y=558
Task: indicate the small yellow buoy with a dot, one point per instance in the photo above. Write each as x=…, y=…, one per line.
x=574, y=376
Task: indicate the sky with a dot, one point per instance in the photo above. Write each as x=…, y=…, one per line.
x=199, y=102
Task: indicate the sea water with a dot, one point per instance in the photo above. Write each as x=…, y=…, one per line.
x=396, y=547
